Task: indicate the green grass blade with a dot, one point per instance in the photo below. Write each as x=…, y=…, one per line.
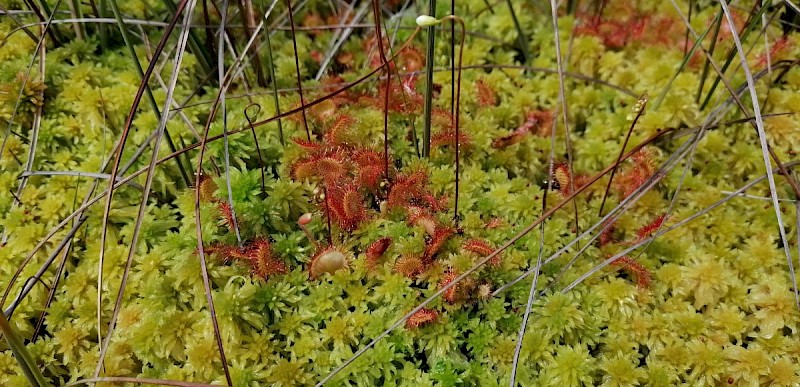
x=707, y=66
x=123, y=30
x=751, y=26
x=102, y=12
x=23, y=356
x=274, y=82
x=200, y=51
x=684, y=62
x=522, y=42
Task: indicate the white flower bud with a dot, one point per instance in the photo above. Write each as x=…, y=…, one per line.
x=427, y=21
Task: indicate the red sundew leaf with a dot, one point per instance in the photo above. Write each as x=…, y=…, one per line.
x=261, y=247
x=371, y=47
x=541, y=120
x=353, y=206
x=376, y=249
x=643, y=276
x=316, y=56
x=258, y=255
x=485, y=95
x=437, y=240
x=637, y=27
x=409, y=190
x=263, y=261
x=345, y=206
x=411, y=59
x=331, y=83
x=644, y=161
x=409, y=266
x=563, y=178
x=303, y=169
x=778, y=47
x=332, y=205
x=207, y=187
x=607, y=235
x=226, y=252
x=370, y=177
x=483, y=248
x=646, y=230
x=495, y=223
x=421, y=318
x=323, y=111
x=227, y=214
x=447, y=137
x=403, y=99
x=580, y=180
x=450, y=295
x=364, y=157
x=330, y=168
x=727, y=30
x=433, y=203
x=460, y=292
x=478, y=246
x=407, y=187
x=636, y=173
x=313, y=20
x=370, y=169
x=339, y=129
x=421, y=217
x=298, y=116
x=508, y=140
x=443, y=118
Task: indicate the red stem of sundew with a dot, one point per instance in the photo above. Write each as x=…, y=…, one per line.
x=328, y=217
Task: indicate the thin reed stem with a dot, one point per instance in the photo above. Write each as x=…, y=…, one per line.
x=427, y=111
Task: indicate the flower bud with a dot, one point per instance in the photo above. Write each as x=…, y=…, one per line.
x=304, y=219
x=427, y=21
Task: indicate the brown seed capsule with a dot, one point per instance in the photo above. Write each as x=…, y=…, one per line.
x=328, y=261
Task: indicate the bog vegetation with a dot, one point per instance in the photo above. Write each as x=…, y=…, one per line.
x=298, y=193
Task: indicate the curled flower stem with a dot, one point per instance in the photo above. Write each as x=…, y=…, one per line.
x=249, y=118
x=328, y=212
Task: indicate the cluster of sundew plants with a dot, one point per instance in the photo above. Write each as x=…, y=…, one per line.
x=581, y=205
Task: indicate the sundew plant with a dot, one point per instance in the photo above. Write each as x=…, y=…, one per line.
x=473, y=192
